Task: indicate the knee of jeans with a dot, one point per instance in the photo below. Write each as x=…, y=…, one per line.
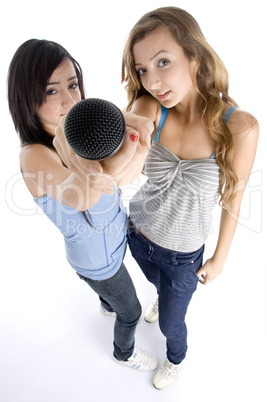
x=138, y=310
x=172, y=329
x=132, y=316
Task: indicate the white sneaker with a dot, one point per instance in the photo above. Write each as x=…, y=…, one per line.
x=106, y=312
x=152, y=312
x=140, y=361
x=167, y=374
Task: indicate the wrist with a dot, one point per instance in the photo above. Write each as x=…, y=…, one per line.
x=218, y=259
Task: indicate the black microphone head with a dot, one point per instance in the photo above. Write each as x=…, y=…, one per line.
x=94, y=128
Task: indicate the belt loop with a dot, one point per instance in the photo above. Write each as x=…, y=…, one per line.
x=130, y=228
x=150, y=252
x=174, y=258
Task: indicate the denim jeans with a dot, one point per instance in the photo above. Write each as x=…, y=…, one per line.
x=174, y=275
x=118, y=293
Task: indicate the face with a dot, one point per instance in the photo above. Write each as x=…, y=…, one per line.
x=62, y=92
x=163, y=68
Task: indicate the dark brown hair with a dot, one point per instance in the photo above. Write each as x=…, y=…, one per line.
x=30, y=69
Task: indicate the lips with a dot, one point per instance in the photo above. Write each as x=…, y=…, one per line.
x=163, y=96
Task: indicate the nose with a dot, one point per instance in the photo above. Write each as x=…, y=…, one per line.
x=153, y=81
x=67, y=100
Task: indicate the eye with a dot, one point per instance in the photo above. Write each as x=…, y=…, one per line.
x=75, y=85
x=164, y=63
x=140, y=72
x=51, y=92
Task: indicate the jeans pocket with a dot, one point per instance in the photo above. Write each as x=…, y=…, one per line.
x=197, y=263
x=184, y=279
x=193, y=261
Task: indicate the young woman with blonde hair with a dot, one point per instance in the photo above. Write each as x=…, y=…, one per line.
x=203, y=150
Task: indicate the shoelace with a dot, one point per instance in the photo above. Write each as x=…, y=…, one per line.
x=142, y=358
x=169, y=372
x=155, y=306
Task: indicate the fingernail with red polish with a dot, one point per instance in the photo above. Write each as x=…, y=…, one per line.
x=134, y=137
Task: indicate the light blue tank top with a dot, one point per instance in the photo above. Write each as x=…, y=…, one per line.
x=164, y=114
x=96, y=251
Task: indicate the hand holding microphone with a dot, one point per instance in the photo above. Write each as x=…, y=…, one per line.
x=124, y=165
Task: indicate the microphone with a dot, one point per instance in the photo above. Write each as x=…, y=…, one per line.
x=95, y=128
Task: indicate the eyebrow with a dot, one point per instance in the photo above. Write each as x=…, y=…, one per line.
x=154, y=56
x=58, y=82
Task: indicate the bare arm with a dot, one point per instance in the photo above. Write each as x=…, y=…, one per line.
x=245, y=131
x=77, y=182
x=44, y=173
x=125, y=166
x=139, y=124
x=148, y=107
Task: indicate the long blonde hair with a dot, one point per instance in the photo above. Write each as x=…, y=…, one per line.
x=210, y=79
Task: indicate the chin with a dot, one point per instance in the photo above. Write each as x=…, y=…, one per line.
x=169, y=104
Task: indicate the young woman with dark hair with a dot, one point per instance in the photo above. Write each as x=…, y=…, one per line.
x=44, y=82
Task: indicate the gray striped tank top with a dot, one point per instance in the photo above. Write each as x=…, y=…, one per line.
x=174, y=207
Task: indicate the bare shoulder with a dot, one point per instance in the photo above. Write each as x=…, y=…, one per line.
x=38, y=162
x=34, y=156
x=245, y=131
x=244, y=126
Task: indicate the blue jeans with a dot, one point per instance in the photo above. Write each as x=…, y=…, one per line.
x=174, y=275
x=118, y=293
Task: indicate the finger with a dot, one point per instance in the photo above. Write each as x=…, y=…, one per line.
x=59, y=142
x=117, y=162
x=145, y=140
x=201, y=279
x=102, y=183
x=63, y=154
x=86, y=166
x=80, y=166
x=62, y=144
x=59, y=131
x=140, y=123
x=202, y=275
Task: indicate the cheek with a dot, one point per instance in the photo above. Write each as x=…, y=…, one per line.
x=78, y=97
x=51, y=108
x=144, y=83
x=183, y=80
x=46, y=111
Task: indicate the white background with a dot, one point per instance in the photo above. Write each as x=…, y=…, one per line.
x=54, y=344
